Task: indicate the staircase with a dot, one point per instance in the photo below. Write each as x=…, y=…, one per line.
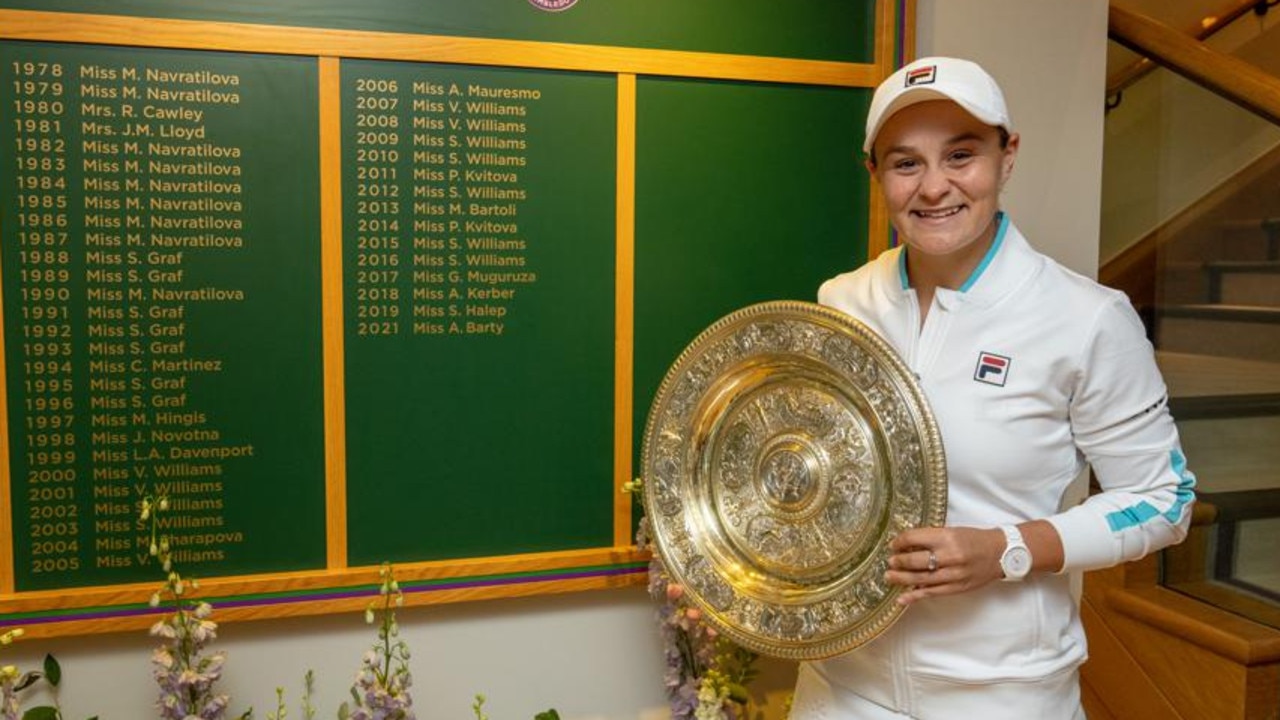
x=1218, y=335
x=1194, y=632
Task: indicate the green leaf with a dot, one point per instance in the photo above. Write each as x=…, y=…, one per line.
x=738, y=694
x=547, y=715
x=52, y=670
x=44, y=712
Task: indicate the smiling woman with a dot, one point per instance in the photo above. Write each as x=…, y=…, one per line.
x=1030, y=370
x=941, y=170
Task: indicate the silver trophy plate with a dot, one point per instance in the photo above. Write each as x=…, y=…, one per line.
x=785, y=447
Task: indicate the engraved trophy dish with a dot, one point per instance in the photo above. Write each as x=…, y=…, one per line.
x=785, y=447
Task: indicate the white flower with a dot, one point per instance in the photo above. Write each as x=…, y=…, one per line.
x=710, y=702
x=203, y=631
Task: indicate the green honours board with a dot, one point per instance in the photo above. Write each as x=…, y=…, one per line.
x=747, y=192
x=478, y=269
x=395, y=281
x=815, y=29
x=162, y=321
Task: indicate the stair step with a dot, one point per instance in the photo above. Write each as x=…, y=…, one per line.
x=1251, y=231
x=1242, y=331
x=1183, y=281
x=1228, y=415
x=1244, y=283
x=1191, y=376
x=1262, y=266
x=1209, y=407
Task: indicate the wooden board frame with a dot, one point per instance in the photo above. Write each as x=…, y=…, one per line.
x=338, y=587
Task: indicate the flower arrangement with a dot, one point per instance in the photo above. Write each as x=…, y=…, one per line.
x=381, y=688
x=185, y=673
x=706, y=675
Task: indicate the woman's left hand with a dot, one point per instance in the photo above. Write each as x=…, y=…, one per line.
x=944, y=560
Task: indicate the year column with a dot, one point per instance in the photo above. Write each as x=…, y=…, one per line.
x=47, y=437
x=377, y=189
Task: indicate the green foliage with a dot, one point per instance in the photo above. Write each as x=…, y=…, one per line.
x=12, y=682
x=281, y=711
x=52, y=670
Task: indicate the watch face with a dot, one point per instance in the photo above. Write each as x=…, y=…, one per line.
x=1016, y=562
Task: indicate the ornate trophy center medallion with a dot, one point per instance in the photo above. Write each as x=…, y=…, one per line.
x=788, y=476
x=783, y=449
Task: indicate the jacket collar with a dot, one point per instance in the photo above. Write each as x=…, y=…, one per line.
x=1007, y=264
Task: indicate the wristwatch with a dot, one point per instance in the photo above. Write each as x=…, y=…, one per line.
x=1016, y=560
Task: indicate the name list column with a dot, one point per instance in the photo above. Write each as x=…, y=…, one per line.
x=152, y=249
x=440, y=249
x=478, y=252
x=161, y=194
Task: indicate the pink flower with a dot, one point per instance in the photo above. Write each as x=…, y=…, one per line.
x=675, y=591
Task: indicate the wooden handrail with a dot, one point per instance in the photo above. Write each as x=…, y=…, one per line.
x=1236, y=80
x=1135, y=70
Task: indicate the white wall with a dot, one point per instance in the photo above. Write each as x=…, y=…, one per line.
x=595, y=656
x=592, y=656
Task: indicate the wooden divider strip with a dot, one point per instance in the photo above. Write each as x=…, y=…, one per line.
x=891, y=19
x=356, y=600
x=116, y=607
x=624, y=310
x=335, y=413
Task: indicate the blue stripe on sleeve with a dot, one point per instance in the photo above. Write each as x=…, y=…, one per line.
x=1131, y=516
x=1142, y=511
x=1186, y=484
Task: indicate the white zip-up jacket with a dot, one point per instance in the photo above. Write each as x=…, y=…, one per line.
x=1031, y=371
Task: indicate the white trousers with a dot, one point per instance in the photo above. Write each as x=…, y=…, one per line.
x=816, y=698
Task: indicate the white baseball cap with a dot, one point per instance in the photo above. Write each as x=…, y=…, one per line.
x=938, y=78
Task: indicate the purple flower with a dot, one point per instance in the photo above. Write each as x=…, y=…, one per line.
x=381, y=686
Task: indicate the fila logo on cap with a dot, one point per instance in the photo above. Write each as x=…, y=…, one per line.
x=992, y=369
x=922, y=76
